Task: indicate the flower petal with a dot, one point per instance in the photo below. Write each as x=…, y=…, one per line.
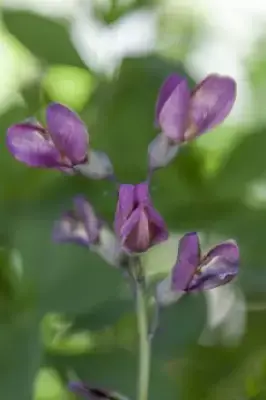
x=86, y=214
x=161, y=152
x=68, y=132
x=158, y=229
x=217, y=272
x=70, y=230
x=165, y=92
x=124, y=205
x=142, y=194
x=228, y=249
x=188, y=260
x=173, y=117
x=28, y=144
x=135, y=234
x=211, y=102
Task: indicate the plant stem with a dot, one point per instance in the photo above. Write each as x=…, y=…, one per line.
x=144, y=344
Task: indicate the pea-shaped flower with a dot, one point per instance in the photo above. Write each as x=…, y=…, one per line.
x=183, y=115
x=137, y=224
x=195, y=272
x=62, y=144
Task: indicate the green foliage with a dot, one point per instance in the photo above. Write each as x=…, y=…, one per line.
x=113, y=369
x=25, y=25
x=21, y=354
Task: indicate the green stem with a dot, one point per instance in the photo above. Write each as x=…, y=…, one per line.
x=144, y=344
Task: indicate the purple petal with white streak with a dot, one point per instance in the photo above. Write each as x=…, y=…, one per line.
x=217, y=272
x=228, y=249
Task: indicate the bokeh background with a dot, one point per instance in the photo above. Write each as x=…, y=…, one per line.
x=64, y=313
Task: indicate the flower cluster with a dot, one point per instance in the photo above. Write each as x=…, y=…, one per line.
x=63, y=144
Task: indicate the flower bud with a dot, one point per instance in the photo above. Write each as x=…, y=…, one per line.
x=137, y=224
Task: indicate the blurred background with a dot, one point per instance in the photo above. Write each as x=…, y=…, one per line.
x=64, y=313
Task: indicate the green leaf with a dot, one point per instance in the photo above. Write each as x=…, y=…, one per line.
x=32, y=96
x=21, y=354
x=180, y=326
x=219, y=372
x=47, y=39
x=114, y=370
x=243, y=165
x=66, y=278
x=104, y=314
x=11, y=272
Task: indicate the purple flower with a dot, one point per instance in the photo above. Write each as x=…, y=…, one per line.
x=63, y=144
x=80, y=225
x=92, y=393
x=138, y=225
x=183, y=115
x=194, y=272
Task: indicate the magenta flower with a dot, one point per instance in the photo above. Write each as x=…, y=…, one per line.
x=193, y=271
x=183, y=115
x=138, y=225
x=62, y=144
x=80, y=225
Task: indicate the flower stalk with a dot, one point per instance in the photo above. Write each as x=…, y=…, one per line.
x=144, y=343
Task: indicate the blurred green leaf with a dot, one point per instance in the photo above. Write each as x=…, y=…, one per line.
x=66, y=278
x=114, y=370
x=243, y=165
x=20, y=358
x=104, y=315
x=48, y=386
x=68, y=85
x=38, y=34
x=219, y=372
x=32, y=96
x=180, y=327
x=11, y=273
